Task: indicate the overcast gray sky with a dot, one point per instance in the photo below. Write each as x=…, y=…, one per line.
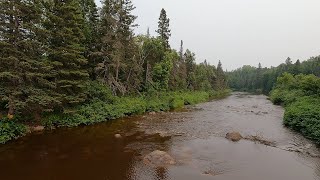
x=238, y=32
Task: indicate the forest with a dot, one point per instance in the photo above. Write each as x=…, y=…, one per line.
x=70, y=63
x=296, y=86
x=262, y=80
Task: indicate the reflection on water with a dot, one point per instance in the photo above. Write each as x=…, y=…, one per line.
x=194, y=137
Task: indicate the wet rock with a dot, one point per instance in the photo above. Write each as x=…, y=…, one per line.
x=291, y=149
x=118, y=136
x=158, y=159
x=234, y=136
x=37, y=128
x=162, y=134
x=261, y=140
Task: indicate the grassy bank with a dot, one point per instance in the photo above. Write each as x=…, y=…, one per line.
x=103, y=107
x=300, y=96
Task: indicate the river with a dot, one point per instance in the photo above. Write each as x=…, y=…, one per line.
x=194, y=137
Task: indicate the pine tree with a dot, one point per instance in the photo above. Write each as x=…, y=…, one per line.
x=65, y=23
x=164, y=31
x=24, y=73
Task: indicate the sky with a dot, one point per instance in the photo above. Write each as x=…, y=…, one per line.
x=238, y=32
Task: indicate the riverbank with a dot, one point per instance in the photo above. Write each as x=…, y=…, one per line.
x=109, y=108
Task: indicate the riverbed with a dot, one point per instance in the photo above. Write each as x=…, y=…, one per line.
x=193, y=136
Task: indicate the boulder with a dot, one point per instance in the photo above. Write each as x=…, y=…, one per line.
x=234, y=136
x=152, y=113
x=158, y=159
x=37, y=128
x=118, y=136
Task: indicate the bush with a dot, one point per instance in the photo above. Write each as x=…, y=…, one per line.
x=10, y=130
x=285, y=97
x=300, y=95
x=99, y=111
x=304, y=115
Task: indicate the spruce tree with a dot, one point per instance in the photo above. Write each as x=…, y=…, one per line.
x=92, y=40
x=117, y=23
x=65, y=24
x=258, y=81
x=190, y=68
x=164, y=31
x=221, y=78
x=24, y=72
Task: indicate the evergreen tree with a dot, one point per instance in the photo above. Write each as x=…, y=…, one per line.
x=181, y=51
x=189, y=58
x=297, y=68
x=258, y=81
x=163, y=28
x=92, y=41
x=24, y=84
x=221, y=78
x=148, y=32
x=64, y=21
x=118, y=44
x=181, y=69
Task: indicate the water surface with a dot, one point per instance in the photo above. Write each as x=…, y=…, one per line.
x=194, y=136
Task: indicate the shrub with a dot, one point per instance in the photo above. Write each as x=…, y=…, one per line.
x=10, y=130
x=99, y=111
x=304, y=115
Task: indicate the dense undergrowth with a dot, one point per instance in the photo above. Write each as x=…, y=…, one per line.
x=103, y=106
x=10, y=130
x=99, y=110
x=300, y=95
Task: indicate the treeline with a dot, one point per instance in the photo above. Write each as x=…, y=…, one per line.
x=53, y=52
x=300, y=95
x=262, y=80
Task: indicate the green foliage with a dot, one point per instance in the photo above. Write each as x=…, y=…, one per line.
x=99, y=111
x=64, y=64
x=254, y=79
x=304, y=115
x=161, y=71
x=301, y=97
x=285, y=97
x=290, y=87
x=65, y=22
x=10, y=130
x=24, y=72
x=96, y=90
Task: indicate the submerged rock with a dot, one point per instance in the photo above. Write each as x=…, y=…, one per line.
x=234, y=136
x=158, y=159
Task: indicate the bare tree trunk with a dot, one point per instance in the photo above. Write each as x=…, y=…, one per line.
x=11, y=108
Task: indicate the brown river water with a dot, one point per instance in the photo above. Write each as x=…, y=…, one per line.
x=194, y=137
